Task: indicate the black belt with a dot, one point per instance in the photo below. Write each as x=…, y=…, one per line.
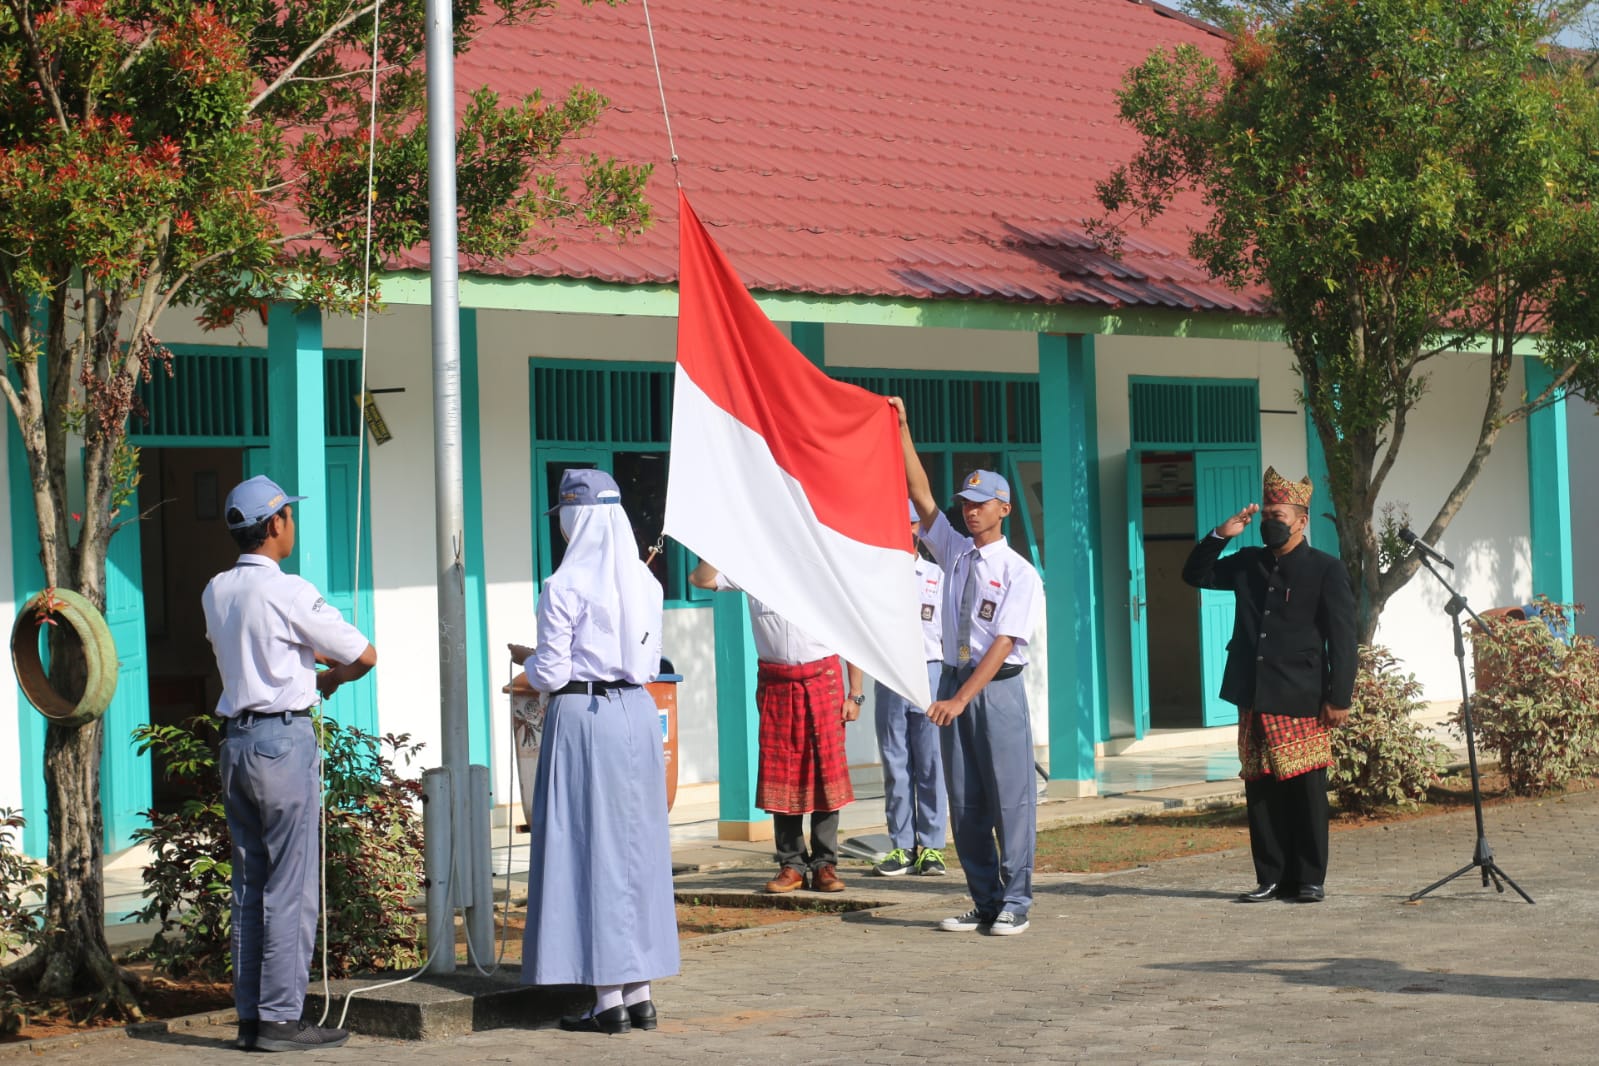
x=270, y=714
x=1007, y=670
x=592, y=688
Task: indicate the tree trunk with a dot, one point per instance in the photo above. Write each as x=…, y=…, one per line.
x=74, y=962
x=78, y=960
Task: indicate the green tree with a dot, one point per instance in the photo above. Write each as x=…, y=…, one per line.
x=1407, y=179
x=1239, y=16
x=213, y=157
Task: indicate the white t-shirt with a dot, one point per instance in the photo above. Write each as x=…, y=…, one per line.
x=267, y=628
x=777, y=640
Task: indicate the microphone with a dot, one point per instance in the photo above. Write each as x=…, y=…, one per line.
x=1423, y=547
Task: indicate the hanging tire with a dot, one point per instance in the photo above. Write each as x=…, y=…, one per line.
x=98, y=649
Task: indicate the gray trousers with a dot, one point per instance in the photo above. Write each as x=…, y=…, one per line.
x=913, y=769
x=988, y=765
x=788, y=840
x=272, y=796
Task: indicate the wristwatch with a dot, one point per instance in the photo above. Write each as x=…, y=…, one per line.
x=857, y=700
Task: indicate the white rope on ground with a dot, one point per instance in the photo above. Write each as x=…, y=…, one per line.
x=660, y=86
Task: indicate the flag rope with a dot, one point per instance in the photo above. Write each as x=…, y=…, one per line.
x=660, y=86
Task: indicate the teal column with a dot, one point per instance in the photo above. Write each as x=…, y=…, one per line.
x=1549, y=491
x=737, y=735
x=478, y=692
x=297, y=455
x=807, y=337
x=1071, y=539
x=1323, y=531
x=27, y=578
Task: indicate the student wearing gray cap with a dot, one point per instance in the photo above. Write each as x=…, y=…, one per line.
x=269, y=629
x=600, y=910
x=992, y=600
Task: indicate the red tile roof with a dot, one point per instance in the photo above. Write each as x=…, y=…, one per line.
x=896, y=148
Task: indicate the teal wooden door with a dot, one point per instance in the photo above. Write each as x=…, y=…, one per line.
x=125, y=774
x=1224, y=481
x=355, y=704
x=1137, y=594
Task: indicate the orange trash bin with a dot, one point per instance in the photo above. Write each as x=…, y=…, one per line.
x=664, y=691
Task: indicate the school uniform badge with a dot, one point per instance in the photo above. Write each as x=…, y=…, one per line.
x=986, y=610
x=927, y=612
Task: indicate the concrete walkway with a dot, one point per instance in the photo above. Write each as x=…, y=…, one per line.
x=1154, y=965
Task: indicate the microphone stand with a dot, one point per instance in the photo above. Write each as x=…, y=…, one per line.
x=1482, y=857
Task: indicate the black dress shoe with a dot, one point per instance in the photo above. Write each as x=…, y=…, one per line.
x=1261, y=893
x=610, y=1021
x=642, y=1015
x=1310, y=894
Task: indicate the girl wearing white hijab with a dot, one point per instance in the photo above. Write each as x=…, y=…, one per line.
x=600, y=910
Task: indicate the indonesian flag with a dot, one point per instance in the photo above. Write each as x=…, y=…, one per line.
x=790, y=483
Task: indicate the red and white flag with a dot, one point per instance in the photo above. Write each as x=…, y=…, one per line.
x=790, y=483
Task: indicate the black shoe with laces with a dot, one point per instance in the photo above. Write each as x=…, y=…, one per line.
x=297, y=1036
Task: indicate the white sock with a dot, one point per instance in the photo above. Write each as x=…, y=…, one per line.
x=634, y=994
x=606, y=997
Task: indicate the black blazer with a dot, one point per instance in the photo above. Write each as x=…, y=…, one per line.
x=1293, y=645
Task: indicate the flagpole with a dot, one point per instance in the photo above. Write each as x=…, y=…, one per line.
x=449, y=496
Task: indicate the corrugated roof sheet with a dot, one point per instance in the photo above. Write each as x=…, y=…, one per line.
x=901, y=148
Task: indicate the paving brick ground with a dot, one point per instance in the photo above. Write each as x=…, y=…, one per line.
x=1153, y=966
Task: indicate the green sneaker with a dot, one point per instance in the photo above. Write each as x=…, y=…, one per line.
x=930, y=863
x=894, y=863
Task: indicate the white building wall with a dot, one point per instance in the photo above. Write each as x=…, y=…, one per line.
x=1489, y=538
x=1582, y=444
x=1489, y=541
x=11, y=703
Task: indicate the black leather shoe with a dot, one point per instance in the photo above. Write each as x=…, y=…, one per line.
x=1261, y=893
x=249, y=1029
x=610, y=1022
x=1310, y=894
x=642, y=1015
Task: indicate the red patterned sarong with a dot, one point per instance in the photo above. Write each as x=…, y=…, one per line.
x=802, y=768
x=1281, y=745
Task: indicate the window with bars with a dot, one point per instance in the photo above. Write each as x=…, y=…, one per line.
x=619, y=416
x=1199, y=413
x=219, y=396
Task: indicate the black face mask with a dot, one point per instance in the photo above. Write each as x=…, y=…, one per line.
x=1275, y=533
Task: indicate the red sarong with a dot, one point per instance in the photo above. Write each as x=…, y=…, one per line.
x=1281, y=745
x=802, y=766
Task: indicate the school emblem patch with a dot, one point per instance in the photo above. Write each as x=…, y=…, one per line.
x=986, y=611
x=927, y=612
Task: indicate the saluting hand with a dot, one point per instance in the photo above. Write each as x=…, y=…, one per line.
x=1238, y=522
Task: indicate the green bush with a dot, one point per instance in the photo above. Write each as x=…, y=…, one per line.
x=1535, y=703
x=1381, y=757
x=374, y=855
x=21, y=887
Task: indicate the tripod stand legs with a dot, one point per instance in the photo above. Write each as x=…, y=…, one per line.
x=1482, y=860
